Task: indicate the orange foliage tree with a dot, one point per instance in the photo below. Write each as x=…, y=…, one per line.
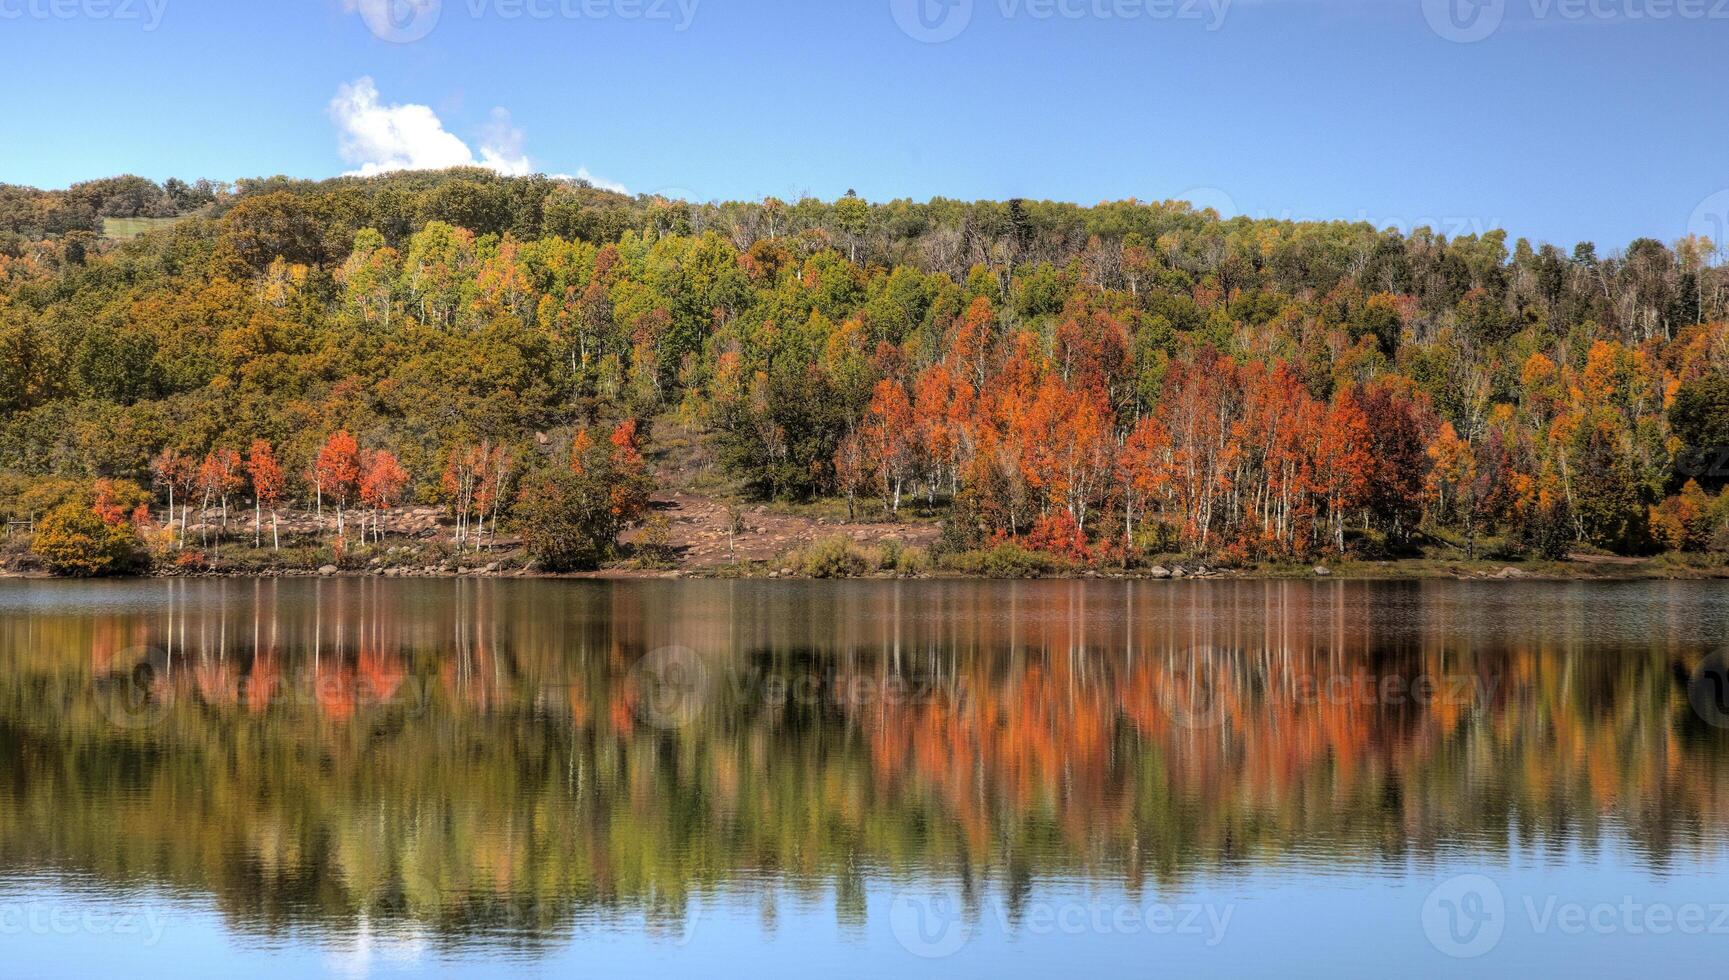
x=268, y=484
x=382, y=480
x=336, y=474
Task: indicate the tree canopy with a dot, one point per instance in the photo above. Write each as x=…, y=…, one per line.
x=1124, y=377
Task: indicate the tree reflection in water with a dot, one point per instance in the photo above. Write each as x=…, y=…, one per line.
x=503, y=762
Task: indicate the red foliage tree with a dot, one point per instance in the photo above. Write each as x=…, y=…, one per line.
x=219, y=476
x=889, y=442
x=382, y=481
x=336, y=474
x=1343, y=466
x=268, y=484
x=168, y=474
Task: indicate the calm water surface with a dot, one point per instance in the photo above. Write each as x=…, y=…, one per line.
x=380, y=778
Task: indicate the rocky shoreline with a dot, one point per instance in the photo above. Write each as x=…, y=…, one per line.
x=705, y=538
x=1414, y=570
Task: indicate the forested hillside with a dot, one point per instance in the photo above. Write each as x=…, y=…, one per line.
x=1105, y=383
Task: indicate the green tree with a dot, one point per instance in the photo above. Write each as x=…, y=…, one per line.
x=73, y=541
x=852, y=217
x=1699, y=417
x=1609, y=502
x=570, y=517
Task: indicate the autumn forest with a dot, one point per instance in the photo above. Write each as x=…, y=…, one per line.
x=1101, y=386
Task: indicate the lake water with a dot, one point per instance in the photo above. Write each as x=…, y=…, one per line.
x=614, y=779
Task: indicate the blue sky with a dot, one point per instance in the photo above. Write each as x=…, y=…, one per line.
x=1570, y=120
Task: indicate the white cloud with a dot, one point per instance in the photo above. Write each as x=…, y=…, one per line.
x=501, y=146
x=377, y=138
x=600, y=182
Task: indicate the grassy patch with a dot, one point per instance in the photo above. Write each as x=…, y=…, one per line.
x=120, y=228
x=1005, y=561
x=842, y=557
x=833, y=510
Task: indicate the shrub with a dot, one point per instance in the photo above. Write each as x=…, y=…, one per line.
x=889, y=555
x=654, y=546
x=1684, y=522
x=1006, y=560
x=23, y=498
x=912, y=561
x=571, y=520
x=958, y=532
x=836, y=557
x=158, y=542
x=1058, y=534
x=121, y=500
x=1548, y=532
x=898, y=558
x=73, y=541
